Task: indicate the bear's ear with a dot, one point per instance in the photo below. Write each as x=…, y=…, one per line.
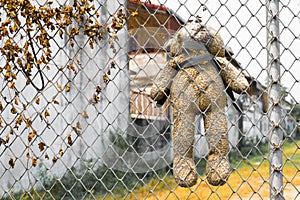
x=216, y=45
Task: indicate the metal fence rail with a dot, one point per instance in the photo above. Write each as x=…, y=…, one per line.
x=77, y=120
x=274, y=113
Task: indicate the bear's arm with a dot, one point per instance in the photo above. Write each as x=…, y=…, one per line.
x=233, y=77
x=162, y=83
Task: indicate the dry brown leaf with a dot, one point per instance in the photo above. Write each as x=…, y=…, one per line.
x=11, y=162
x=37, y=100
x=42, y=146
x=98, y=89
x=34, y=161
x=31, y=135
x=85, y=114
x=59, y=87
x=61, y=33
x=105, y=79
x=71, y=43
x=72, y=67
x=1, y=121
x=91, y=43
x=61, y=152
x=55, y=101
x=47, y=113
x=14, y=110
x=16, y=101
x=12, y=85
x=7, y=139
x=28, y=123
x=113, y=64
x=95, y=99
x=76, y=130
x=67, y=89
x=54, y=160
x=19, y=120
x=70, y=142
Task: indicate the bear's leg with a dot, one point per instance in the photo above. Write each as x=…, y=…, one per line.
x=184, y=96
x=217, y=167
x=184, y=169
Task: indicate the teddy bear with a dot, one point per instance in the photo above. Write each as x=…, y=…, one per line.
x=195, y=80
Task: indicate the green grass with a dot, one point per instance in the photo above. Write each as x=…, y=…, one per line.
x=248, y=180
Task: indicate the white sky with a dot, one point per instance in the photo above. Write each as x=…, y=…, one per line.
x=241, y=27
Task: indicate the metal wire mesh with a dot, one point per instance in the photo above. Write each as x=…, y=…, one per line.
x=80, y=123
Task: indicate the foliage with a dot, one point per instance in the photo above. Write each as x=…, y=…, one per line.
x=27, y=32
x=296, y=112
x=242, y=155
x=118, y=139
x=89, y=180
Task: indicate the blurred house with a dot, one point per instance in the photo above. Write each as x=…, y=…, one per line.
x=149, y=26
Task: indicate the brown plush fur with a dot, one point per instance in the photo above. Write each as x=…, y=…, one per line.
x=197, y=90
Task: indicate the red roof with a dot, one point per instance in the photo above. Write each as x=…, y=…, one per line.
x=148, y=5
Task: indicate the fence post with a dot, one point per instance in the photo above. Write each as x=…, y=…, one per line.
x=274, y=93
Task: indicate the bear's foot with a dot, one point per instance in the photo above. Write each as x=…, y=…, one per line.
x=217, y=170
x=184, y=171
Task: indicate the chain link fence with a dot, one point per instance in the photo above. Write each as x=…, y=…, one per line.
x=77, y=117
